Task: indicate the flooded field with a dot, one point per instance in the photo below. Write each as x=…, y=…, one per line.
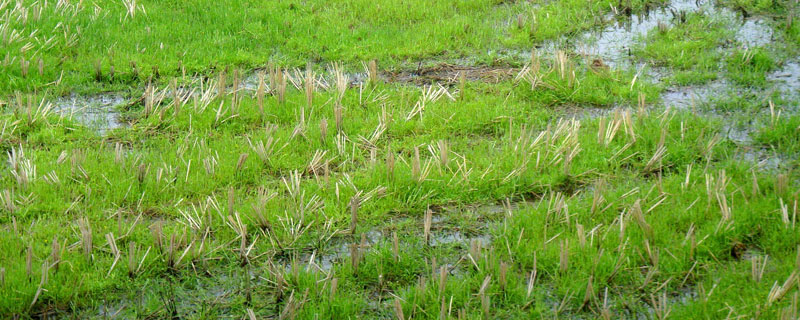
x=465, y=160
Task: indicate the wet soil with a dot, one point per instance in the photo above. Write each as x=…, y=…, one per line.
x=449, y=73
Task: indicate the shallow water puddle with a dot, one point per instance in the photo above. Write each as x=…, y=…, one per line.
x=443, y=232
x=764, y=159
x=788, y=78
x=186, y=298
x=96, y=112
x=455, y=236
x=613, y=46
x=689, y=97
x=754, y=33
x=738, y=134
x=614, y=43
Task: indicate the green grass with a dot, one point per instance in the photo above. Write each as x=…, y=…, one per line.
x=764, y=7
x=782, y=133
x=79, y=44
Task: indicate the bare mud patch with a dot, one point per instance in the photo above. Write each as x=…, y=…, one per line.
x=438, y=72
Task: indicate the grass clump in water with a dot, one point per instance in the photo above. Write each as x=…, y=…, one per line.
x=749, y=67
x=688, y=48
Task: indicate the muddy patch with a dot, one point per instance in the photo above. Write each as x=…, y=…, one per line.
x=448, y=73
x=442, y=73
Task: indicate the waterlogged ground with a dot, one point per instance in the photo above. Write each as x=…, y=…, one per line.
x=485, y=159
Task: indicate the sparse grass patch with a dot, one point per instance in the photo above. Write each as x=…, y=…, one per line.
x=746, y=102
